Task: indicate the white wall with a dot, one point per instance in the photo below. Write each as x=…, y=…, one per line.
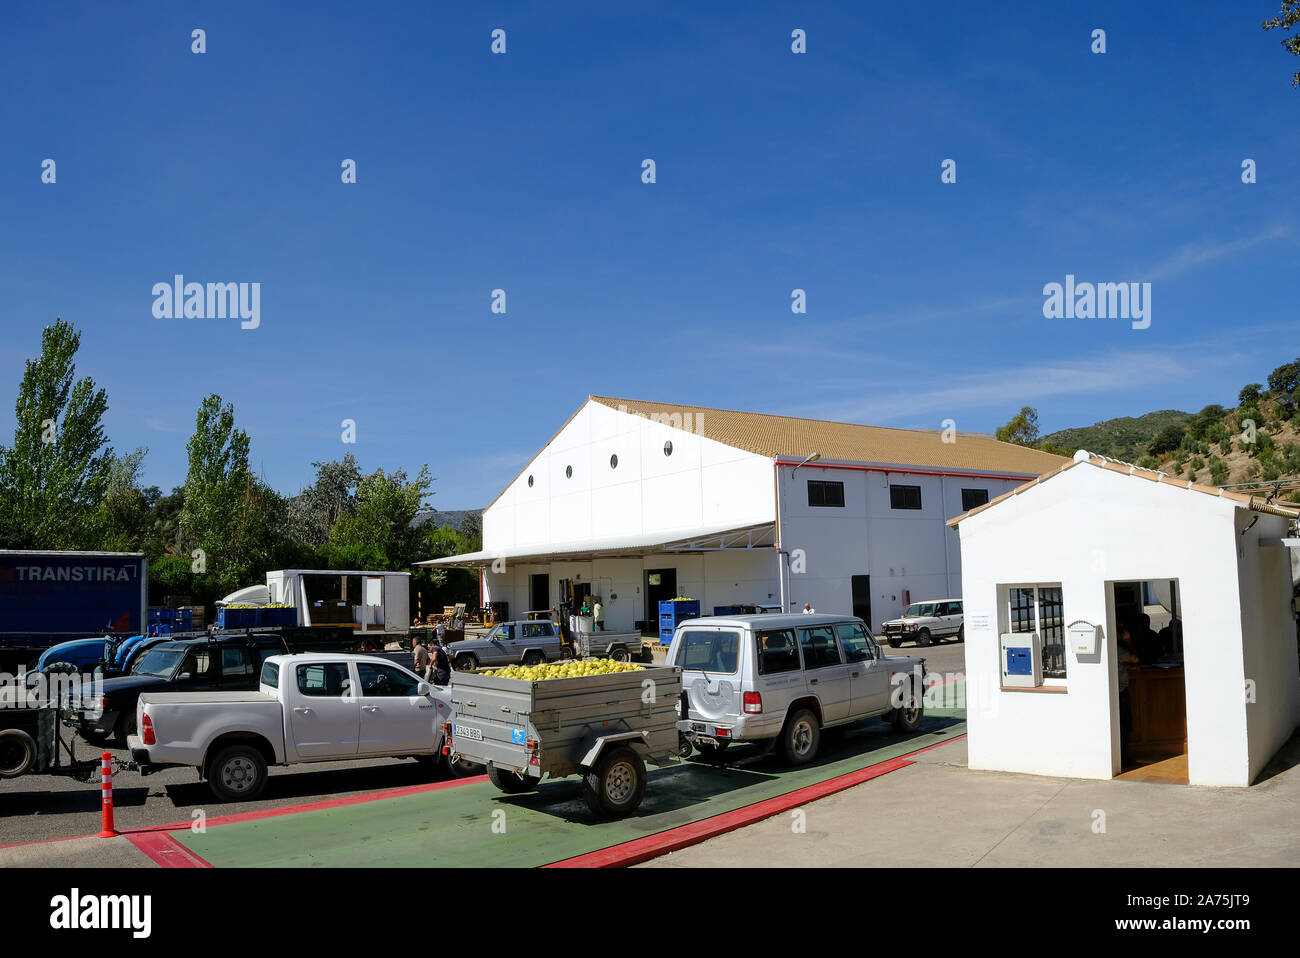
x=1270, y=651
x=715, y=578
x=702, y=484
x=1085, y=528
x=901, y=549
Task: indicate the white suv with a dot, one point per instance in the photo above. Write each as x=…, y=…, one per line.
x=786, y=677
x=926, y=622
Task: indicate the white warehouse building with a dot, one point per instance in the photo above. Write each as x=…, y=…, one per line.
x=637, y=502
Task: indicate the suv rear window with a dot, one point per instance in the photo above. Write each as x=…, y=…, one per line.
x=777, y=652
x=709, y=651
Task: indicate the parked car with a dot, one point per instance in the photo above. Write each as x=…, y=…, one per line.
x=308, y=707
x=223, y=662
x=926, y=622
x=785, y=678
x=510, y=643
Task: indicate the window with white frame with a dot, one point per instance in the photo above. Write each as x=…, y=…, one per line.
x=1040, y=608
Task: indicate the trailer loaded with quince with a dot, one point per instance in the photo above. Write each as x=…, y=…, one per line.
x=605, y=727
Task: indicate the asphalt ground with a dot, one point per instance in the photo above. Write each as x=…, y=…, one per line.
x=37, y=808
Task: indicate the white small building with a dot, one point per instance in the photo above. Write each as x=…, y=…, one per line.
x=1075, y=555
x=637, y=502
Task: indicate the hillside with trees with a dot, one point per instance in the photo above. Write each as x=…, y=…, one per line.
x=1255, y=441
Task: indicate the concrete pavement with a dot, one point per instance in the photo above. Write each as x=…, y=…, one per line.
x=937, y=812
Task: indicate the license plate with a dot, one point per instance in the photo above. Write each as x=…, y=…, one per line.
x=697, y=726
x=464, y=731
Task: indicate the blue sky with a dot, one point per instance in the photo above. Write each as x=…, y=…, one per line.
x=775, y=171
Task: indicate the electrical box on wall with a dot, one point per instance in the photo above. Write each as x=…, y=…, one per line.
x=1084, y=637
x=1022, y=660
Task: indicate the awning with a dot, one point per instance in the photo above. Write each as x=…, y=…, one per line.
x=758, y=536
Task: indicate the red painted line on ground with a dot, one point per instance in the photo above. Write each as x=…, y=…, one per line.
x=165, y=851
x=652, y=846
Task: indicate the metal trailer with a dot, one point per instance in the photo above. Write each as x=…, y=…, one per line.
x=603, y=727
x=619, y=646
x=31, y=744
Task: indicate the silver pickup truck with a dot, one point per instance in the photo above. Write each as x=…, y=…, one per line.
x=509, y=643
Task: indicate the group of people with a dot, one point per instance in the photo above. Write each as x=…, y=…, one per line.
x=431, y=662
x=1138, y=645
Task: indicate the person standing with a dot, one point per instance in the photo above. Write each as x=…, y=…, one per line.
x=441, y=629
x=808, y=609
x=421, y=659
x=1126, y=656
x=440, y=666
x=598, y=615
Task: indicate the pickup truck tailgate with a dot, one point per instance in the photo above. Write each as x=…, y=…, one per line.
x=185, y=722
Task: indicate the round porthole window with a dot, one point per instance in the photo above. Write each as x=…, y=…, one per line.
x=613, y=462
x=568, y=472
x=530, y=482
x=668, y=448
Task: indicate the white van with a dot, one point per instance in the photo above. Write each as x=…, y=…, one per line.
x=786, y=677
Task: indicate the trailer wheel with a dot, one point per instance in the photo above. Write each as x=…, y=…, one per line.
x=616, y=785
x=466, y=662
x=684, y=747
x=509, y=782
x=620, y=654
x=237, y=774
x=17, y=753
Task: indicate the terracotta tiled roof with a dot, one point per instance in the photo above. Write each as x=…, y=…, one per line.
x=789, y=437
x=1255, y=503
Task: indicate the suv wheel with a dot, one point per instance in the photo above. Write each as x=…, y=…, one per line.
x=466, y=662
x=894, y=641
x=961, y=632
x=923, y=637
x=534, y=658
x=801, y=737
x=908, y=718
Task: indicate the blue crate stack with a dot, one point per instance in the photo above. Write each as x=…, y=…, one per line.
x=671, y=614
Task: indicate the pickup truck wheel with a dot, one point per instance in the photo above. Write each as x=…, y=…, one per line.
x=237, y=774
x=923, y=637
x=509, y=782
x=801, y=738
x=17, y=753
x=466, y=662
x=616, y=785
x=621, y=654
x=534, y=658
x=462, y=768
x=908, y=719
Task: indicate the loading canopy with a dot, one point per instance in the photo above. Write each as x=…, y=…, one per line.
x=758, y=536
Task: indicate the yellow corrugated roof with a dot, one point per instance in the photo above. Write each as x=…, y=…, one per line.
x=1252, y=502
x=790, y=437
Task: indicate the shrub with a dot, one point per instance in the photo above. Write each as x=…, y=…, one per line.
x=1218, y=471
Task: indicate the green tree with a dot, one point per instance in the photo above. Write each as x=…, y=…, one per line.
x=315, y=511
x=1285, y=378
x=1287, y=18
x=1249, y=394
x=1166, y=440
x=54, y=478
x=1218, y=471
x=124, y=514
x=217, y=488
x=378, y=534
x=1022, y=429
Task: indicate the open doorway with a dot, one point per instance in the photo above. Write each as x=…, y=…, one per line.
x=1152, y=685
x=660, y=586
x=539, y=593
